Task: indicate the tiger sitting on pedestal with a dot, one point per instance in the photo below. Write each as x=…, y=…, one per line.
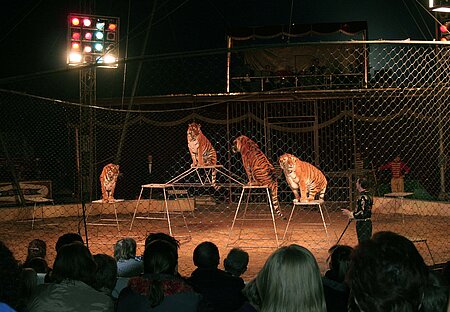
x=304, y=176
x=108, y=180
x=258, y=168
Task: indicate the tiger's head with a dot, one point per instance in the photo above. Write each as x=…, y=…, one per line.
x=238, y=143
x=193, y=130
x=112, y=172
x=287, y=162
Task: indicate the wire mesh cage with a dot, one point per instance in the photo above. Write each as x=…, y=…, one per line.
x=351, y=109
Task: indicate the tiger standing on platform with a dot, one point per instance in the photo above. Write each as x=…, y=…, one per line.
x=363, y=211
x=398, y=170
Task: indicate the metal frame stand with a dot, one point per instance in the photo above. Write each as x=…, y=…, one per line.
x=166, y=213
x=310, y=203
x=250, y=188
x=36, y=201
x=101, y=211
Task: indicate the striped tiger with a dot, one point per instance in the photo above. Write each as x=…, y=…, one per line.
x=201, y=149
x=108, y=180
x=258, y=168
x=304, y=176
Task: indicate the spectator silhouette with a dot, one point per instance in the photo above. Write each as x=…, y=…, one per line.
x=67, y=239
x=74, y=275
x=290, y=280
x=236, y=262
x=10, y=281
x=106, y=273
x=335, y=289
x=128, y=264
x=221, y=290
x=37, y=248
x=160, y=288
x=388, y=274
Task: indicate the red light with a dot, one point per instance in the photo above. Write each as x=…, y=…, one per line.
x=112, y=26
x=443, y=29
x=86, y=22
x=76, y=36
x=75, y=45
x=88, y=36
x=75, y=21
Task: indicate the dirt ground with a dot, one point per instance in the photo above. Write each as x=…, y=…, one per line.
x=256, y=234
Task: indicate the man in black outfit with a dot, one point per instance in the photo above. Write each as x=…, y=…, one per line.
x=220, y=289
x=363, y=211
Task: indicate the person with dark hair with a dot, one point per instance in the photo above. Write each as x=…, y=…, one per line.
x=236, y=262
x=68, y=238
x=165, y=237
x=106, y=273
x=128, y=264
x=160, y=288
x=289, y=281
x=335, y=289
x=36, y=248
x=221, y=290
x=363, y=211
x=74, y=275
x=388, y=274
x=10, y=281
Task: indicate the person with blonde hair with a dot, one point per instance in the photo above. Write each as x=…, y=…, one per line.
x=289, y=281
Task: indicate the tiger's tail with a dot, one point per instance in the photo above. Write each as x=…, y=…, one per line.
x=213, y=179
x=273, y=186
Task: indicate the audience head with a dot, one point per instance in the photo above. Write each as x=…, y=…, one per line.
x=125, y=249
x=74, y=261
x=36, y=248
x=38, y=264
x=67, y=239
x=290, y=280
x=387, y=273
x=160, y=258
x=236, y=262
x=106, y=273
x=339, y=261
x=10, y=278
x=165, y=237
x=206, y=256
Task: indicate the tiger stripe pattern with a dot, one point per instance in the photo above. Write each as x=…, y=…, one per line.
x=303, y=176
x=108, y=180
x=201, y=150
x=258, y=168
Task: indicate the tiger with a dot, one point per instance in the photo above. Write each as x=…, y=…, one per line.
x=258, y=168
x=108, y=180
x=304, y=176
x=201, y=150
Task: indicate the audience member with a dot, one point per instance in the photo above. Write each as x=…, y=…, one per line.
x=160, y=288
x=68, y=238
x=29, y=282
x=221, y=290
x=388, y=274
x=10, y=280
x=165, y=237
x=74, y=275
x=236, y=262
x=106, y=274
x=128, y=264
x=290, y=280
x=37, y=248
x=335, y=289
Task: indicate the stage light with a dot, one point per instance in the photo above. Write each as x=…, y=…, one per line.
x=75, y=57
x=89, y=35
x=99, y=35
x=75, y=21
x=98, y=47
x=100, y=25
x=439, y=6
x=87, y=22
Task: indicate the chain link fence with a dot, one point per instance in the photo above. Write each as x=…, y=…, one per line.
x=347, y=108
